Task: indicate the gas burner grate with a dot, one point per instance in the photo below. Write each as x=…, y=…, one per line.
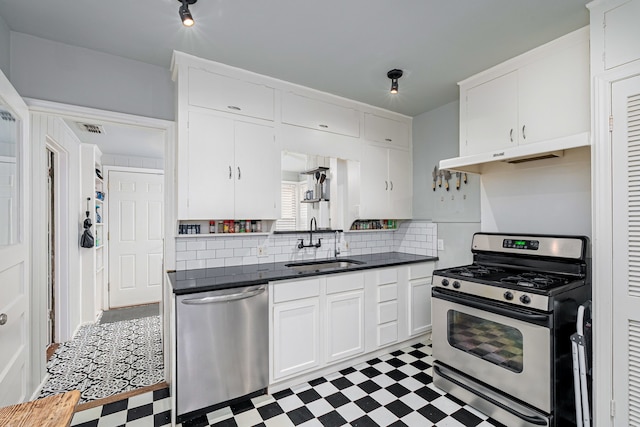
x=474, y=271
x=534, y=280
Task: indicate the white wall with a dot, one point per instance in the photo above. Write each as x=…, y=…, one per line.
x=47, y=128
x=43, y=69
x=546, y=196
x=132, y=161
x=5, y=45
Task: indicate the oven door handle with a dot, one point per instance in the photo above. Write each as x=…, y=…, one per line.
x=470, y=301
x=535, y=420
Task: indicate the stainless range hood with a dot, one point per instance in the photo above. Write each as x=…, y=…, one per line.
x=519, y=154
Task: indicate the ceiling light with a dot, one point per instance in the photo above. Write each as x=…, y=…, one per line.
x=185, y=14
x=394, y=75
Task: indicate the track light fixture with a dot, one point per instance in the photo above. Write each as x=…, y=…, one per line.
x=394, y=75
x=185, y=14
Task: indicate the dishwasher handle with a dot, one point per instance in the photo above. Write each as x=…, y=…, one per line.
x=225, y=298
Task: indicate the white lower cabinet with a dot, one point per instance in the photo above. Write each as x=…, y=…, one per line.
x=323, y=320
x=345, y=325
x=419, y=298
x=296, y=337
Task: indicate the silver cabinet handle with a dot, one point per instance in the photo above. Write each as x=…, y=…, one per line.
x=230, y=175
x=388, y=139
x=239, y=176
x=391, y=185
x=524, y=136
x=224, y=298
x=386, y=185
x=3, y=319
x=324, y=126
x=511, y=135
x=233, y=107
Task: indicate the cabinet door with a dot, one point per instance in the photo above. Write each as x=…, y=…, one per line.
x=315, y=114
x=553, y=95
x=210, y=187
x=345, y=325
x=231, y=95
x=374, y=183
x=382, y=129
x=256, y=172
x=621, y=34
x=491, y=116
x=419, y=306
x=296, y=337
x=400, y=185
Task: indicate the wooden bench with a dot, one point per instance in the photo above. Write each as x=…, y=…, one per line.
x=52, y=411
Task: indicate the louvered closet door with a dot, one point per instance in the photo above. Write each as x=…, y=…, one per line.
x=626, y=256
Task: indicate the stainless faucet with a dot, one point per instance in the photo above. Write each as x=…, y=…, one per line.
x=336, y=249
x=311, y=244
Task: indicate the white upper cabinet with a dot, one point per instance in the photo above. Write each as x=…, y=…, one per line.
x=222, y=93
x=316, y=114
x=539, y=96
x=384, y=130
x=223, y=174
x=621, y=34
x=385, y=183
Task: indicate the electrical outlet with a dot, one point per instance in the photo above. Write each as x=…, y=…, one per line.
x=262, y=251
x=440, y=244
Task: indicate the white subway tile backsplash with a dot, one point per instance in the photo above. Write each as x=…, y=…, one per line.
x=414, y=237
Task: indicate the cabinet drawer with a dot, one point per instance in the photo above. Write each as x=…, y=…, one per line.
x=386, y=276
x=296, y=290
x=387, y=333
x=315, y=114
x=224, y=93
x=388, y=292
x=343, y=283
x=381, y=129
x=387, y=312
x=420, y=271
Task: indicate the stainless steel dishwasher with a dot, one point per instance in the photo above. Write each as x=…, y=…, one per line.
x=222, y=346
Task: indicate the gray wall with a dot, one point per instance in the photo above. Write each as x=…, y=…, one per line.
x=435, y=137
x=457, y=212
x=53, y=71
x=5, y=44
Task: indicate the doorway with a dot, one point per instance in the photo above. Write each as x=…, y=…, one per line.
x=51, y=251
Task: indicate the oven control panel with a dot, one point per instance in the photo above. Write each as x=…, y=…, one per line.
x=531, y=245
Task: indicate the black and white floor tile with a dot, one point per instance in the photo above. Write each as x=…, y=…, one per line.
x=393, y=390
x=107, y=359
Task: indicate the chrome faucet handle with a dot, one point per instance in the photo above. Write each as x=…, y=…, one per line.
x=319, y=243
x=301, y=244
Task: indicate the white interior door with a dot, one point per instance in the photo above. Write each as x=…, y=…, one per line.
x=15, y=331
x=135, y=237
x=626, y=255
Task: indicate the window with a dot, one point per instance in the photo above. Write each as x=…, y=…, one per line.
x=293, y=214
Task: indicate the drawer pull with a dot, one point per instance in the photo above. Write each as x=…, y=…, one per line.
x=388, y=139
x=324, y=126
x=233, y=107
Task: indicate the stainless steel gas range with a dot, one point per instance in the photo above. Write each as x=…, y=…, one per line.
x=502, y=326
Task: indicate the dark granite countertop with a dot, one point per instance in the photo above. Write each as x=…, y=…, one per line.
x=211, y=279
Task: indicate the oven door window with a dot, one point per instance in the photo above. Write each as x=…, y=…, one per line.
x=494, y=342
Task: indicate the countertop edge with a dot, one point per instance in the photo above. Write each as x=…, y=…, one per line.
x=300, y=275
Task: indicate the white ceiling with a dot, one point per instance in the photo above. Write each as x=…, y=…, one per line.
x=343, y=47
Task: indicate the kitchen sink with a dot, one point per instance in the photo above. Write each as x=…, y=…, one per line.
x=318, y=266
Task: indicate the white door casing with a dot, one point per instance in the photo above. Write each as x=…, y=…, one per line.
x=15, y=366
x=135, y=237
x=625, y=139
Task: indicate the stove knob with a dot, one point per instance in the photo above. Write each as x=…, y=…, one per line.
x=456, y=284
x=508, y=296
x=525, y=299
x=445, y=282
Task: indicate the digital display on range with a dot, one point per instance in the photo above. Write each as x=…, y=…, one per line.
x=531, y=245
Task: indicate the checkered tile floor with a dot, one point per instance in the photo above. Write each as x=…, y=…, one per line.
x=393, y=390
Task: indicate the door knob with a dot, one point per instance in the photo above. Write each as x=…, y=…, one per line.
x=3, y=319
